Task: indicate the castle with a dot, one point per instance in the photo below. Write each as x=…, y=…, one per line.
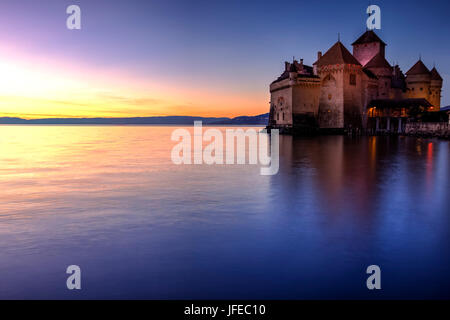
x=359, y=91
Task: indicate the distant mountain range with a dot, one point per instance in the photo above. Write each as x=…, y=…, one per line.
x=169, y=120
x=447, y=108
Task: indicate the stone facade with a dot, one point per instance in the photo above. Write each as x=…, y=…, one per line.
x=295, y=96
x=341, y=89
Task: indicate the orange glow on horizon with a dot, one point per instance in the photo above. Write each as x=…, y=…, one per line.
x=33, y=87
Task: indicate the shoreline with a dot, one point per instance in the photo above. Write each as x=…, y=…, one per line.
x=418, y=130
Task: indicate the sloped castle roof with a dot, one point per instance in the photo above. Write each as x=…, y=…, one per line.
x=435, y=74
x=301, y=70
x=418, y=69
x=337, y=54
x=378, y=61
x=368, y=37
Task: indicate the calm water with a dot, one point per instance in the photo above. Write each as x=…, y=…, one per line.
x=109, y=200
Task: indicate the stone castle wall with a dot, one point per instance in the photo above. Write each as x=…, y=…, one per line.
x=305, y=97
x=331, y=100
x=281, y=103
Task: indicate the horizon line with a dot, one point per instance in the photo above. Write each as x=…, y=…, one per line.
x=138, y=117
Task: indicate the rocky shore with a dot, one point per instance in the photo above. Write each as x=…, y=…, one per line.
x=428, y=129
x=439, y=130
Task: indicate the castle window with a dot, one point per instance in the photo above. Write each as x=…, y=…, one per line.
x=353, y=79
x=278, y=116
x=283, y=116
x=421, y=89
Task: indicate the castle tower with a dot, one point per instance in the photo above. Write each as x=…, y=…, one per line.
x=418, y=81
x=367, y=46
x=294, y=97
x=398, y=84
x=379, y=66
x=435, y=89
x=340, y=101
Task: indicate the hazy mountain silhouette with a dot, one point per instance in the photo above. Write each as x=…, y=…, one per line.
x=179, y=120
x=260, y=119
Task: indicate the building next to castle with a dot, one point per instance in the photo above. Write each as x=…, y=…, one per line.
x=360, y=91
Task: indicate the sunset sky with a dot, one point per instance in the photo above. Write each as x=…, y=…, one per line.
x=205, y=58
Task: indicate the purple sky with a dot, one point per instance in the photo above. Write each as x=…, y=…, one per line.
x=207, y=49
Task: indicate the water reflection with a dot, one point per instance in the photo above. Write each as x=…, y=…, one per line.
x=110, y=200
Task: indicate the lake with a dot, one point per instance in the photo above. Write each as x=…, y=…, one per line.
x=110, y=200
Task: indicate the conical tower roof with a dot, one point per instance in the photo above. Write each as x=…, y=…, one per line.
x=435, y=74
x=378, y=61
x=418, y=69
x=337, y=54
x=368, y=37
